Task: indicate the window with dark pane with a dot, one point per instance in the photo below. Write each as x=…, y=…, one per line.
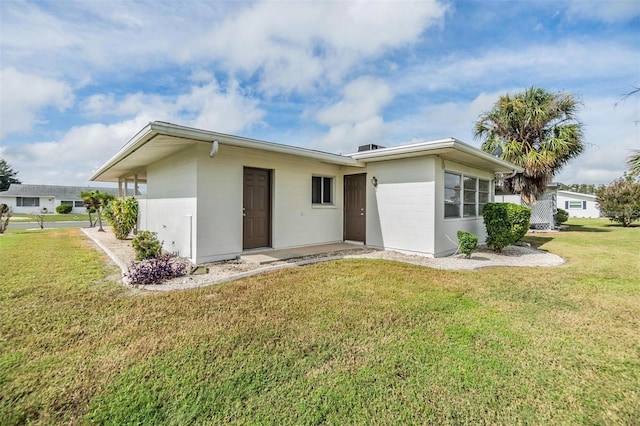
x=452, y=194
x=321, y=190
x=469, y=200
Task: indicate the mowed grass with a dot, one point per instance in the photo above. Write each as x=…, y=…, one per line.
x=50, y=217
x=342, y=342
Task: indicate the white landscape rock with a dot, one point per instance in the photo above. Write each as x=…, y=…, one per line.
x=121, y=252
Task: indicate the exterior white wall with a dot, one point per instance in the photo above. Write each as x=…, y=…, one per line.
x=446, y=238
x=48, y=203
x=295, y=220
x=592, y=209
x=400, y=209
x=170, y=203
x=509, y=198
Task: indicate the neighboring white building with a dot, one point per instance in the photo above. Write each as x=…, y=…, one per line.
x=211, y=196
x=578, y=205
x=26, y=198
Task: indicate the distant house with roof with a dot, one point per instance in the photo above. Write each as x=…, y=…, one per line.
x=26, y=198
x=578, y=204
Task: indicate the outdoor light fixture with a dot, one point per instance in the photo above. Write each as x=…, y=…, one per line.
x=374, y=181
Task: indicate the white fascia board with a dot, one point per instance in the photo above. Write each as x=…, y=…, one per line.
x=141, y=138
x=396, y=151
x=208, y=136
x=167, y=129
x=576, y=194
x=461, y=146
x=431, y=147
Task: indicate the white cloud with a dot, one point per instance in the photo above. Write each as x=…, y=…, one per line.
x=206, y=106
x=610, y=11
x=447, y=119
x=345, y=138
x=70, y=159
x=362, y=98
x=83, y=149
x=357, y=118
x=297, y=44
x=290, y=46
x=611, y=132
x=532, y=65
x=23, y=95
x=224, y=111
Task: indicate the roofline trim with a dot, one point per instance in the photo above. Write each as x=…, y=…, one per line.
x=156, y=128
x=425, y=147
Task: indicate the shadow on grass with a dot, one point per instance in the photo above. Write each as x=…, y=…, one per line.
x=586, y=228
x=537, y=241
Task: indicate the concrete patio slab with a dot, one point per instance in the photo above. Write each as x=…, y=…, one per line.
x=264, y=257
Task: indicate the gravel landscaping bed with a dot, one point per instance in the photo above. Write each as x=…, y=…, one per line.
x=121, y=252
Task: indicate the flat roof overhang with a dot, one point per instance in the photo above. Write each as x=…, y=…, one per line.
x=449, y=149
x=159, y=140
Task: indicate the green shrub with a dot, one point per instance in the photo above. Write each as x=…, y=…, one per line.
x=506, y=223
x=64, y=209
x=620, y=200
x=468, y=243
x=561, y=216
x=146, y=245
x=122, y=215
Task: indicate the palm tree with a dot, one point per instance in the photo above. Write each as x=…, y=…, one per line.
x=536, y=130
x=634, y=163
x=96, y=200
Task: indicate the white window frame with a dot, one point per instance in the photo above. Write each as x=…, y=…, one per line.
x=20, y=201
x=580, y=205
x=326, y=182
x=463, y=191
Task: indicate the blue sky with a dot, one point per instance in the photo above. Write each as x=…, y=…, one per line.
x=78, y=79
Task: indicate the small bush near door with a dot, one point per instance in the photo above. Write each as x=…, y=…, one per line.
x=64, y=209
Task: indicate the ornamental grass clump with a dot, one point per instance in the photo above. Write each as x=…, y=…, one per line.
x=155, y=270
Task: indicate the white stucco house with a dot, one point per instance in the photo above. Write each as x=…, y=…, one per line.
x=211, y=196
x=579, y=205
x=29, y=199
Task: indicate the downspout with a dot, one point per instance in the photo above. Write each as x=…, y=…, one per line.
x=513, y=173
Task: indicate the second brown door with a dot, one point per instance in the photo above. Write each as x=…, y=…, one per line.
x=256, y=220
x=355, y=217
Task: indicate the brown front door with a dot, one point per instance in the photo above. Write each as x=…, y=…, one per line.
x=355, y=218
x=256, y=223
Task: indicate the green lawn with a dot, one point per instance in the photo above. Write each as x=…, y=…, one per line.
x=50, y=217
x=342, y=342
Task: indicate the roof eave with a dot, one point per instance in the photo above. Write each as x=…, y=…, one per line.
x=167, y=129
x=433, y=148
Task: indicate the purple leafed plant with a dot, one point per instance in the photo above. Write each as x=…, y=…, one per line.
x=155, y=270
